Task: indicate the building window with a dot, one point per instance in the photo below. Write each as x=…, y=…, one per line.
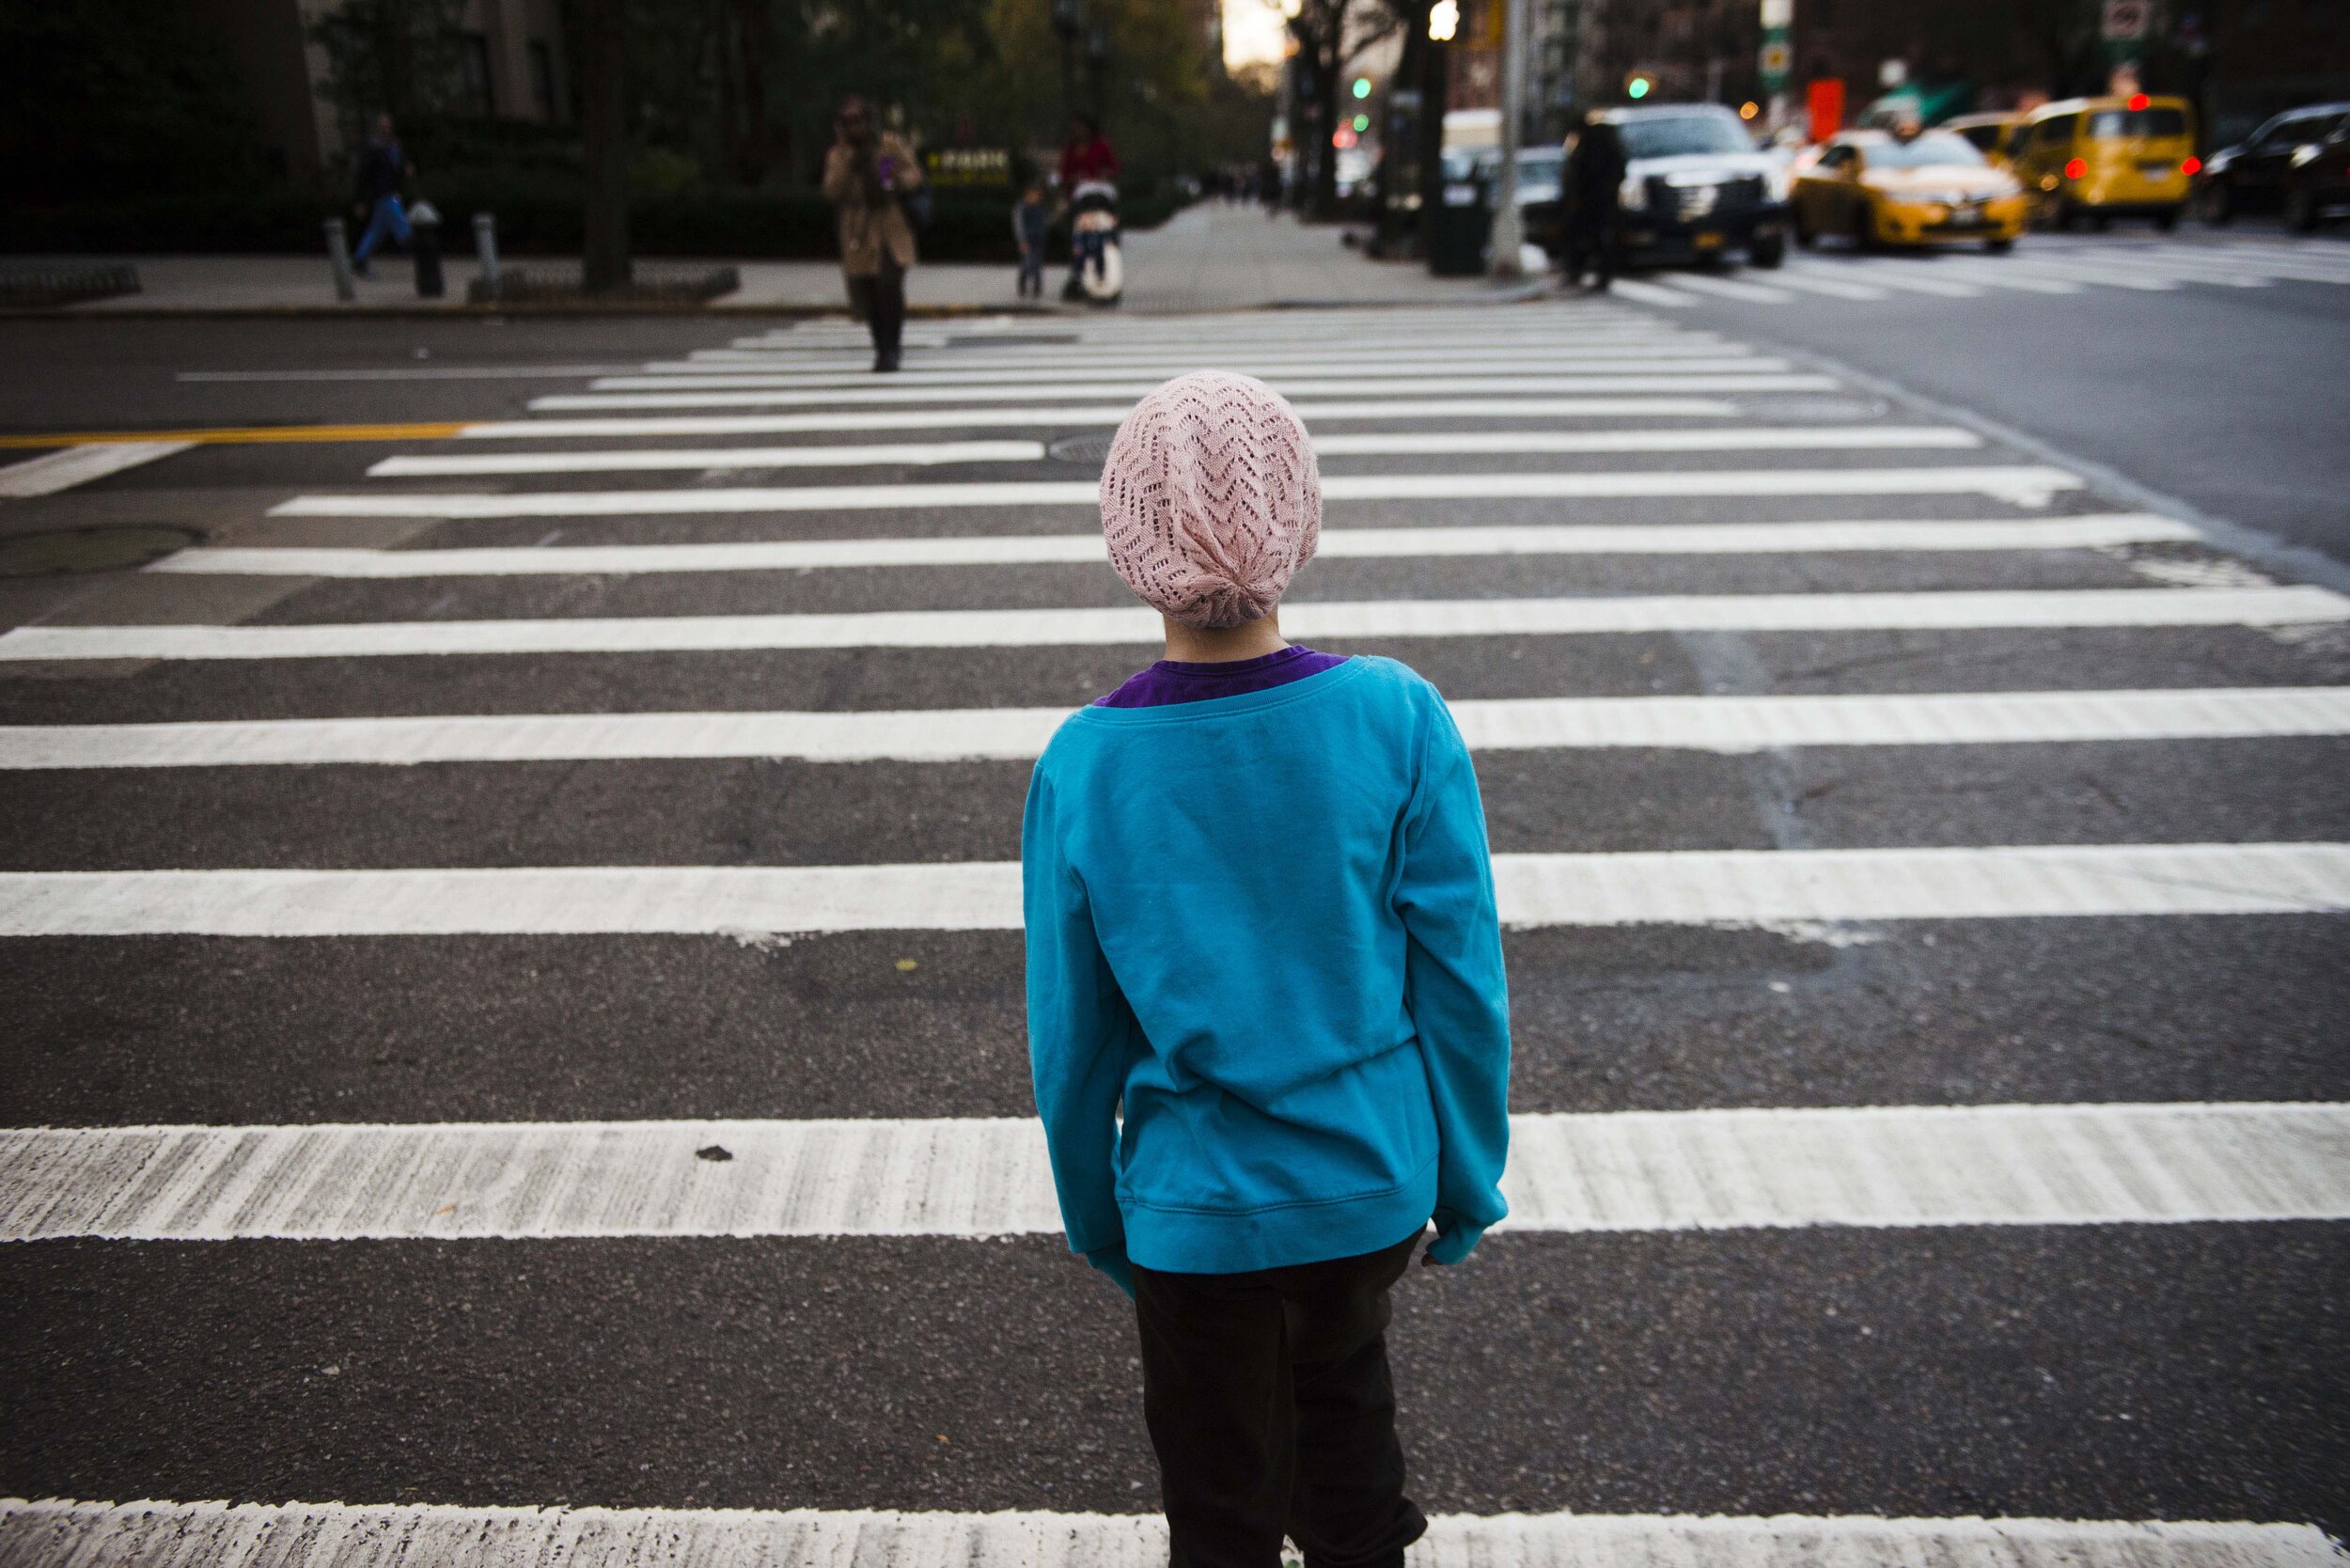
x=542, y=78
x=473, y=73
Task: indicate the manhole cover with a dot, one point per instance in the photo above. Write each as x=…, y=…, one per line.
x=1091, y=450
x=107, y=548
x=1817, y=408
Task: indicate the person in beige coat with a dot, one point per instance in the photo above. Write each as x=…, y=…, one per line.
x=866, y=173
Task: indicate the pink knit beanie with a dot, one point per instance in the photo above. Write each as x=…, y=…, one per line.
x=1210, y=499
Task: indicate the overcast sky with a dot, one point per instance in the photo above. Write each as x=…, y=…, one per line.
x=1252, y=31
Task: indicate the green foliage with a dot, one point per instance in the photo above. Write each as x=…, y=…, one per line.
x=397, y=55
x=116, y=97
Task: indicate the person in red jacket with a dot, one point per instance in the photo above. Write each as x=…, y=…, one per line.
x=1086, y=156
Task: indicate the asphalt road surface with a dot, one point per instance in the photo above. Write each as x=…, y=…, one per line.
x=2207, y=366
x=513, y=986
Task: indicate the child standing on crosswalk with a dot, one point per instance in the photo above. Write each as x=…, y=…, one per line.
x=1267, y=1017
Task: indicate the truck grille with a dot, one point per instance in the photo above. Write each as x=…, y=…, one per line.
x=1688, y=202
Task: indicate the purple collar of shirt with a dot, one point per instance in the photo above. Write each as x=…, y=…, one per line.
x=1171, y=681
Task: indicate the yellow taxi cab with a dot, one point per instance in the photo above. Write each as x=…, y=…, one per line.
x=1987, y=133
x=2101, y=158
x=1928, y=188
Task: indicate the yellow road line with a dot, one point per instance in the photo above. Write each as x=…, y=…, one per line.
x=248, y=435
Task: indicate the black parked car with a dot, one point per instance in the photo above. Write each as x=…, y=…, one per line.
x=1697, y=187
x=2298, y=162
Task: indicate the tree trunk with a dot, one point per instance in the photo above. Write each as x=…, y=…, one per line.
x=1331, y=46
x=605, y=130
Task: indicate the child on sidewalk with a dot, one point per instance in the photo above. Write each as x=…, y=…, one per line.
x=1267, y=1011
x=1029, y=218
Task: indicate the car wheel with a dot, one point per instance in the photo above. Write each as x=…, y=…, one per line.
x=2060, y=216
x=2215, y=203
x=1998, y=247
x=1767, y=253
x=1864, y=228
x=2301, y=209
x=1806, y=235
x=2100, y=221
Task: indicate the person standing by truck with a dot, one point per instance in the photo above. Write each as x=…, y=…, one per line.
x=1592, y=187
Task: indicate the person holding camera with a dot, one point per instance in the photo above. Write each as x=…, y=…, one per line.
x=869, y=174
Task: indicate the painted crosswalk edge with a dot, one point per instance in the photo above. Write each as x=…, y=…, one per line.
x=2020, y=484
x=1770, y=887
x=1965, y=610
x=349, y=1535
x=1718, y=724
x=1626, y=1170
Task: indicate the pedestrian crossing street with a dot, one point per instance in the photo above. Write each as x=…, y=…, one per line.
x=2044, y=265
x=519, y=1040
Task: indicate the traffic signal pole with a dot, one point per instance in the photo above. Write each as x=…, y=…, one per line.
x=1507, y=235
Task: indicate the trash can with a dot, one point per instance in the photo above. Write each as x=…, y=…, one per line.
x=424, y=242
x=1459, y=229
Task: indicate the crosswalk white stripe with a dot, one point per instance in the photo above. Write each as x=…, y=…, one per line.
x=346, y=1535
x=1662, y=888
x=1393, y=443
x=1999, y=274
x=1565, y=539
x=1730, y=289
x=1811, y=278
x=1375, y=411
x=1343, y=372
x=1960, y=610
x=857, y=454
x=950, y=367
x=1650, y=294
x=1902, y=273
x=1624, y=1170
x=2091, y=272
x=1718, y=723
x=53, y=472
x=2021, y=485
x=1648, y=378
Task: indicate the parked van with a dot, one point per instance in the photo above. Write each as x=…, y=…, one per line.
x=2101, y=158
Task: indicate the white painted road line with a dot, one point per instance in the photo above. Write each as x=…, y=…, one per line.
x=342, y=1535
x=1967, y=610
x=1355, y=386
x=1635, y=1170
x=1718, y=724
x=1404, y=409
x=950, y=369
x=1746, y=888
x=1811, y=278
x=53, y=472
x=1564, y=539
x=1079, y=378
x=858, y=454
x=1400, y=442
x=2027, y=485
x=1649, y=293
x=1730, y=289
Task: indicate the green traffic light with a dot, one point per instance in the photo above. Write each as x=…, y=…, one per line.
x=1362, y=123
x=1362, y=86
x=1637, y=87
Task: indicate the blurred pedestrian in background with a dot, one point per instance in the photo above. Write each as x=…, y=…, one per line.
x=1029, y=218
x=868, y=174
x=384, y=167
x=1593, y=192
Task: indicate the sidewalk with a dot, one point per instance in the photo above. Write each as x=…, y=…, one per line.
x=1211, y=256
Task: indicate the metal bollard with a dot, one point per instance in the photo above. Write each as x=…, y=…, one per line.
x=485, y=247
x=424, y=242
x=338, y=256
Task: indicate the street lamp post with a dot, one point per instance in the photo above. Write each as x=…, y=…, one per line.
x=1507, y=235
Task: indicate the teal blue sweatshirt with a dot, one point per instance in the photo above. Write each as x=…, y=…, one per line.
x=1262, y=928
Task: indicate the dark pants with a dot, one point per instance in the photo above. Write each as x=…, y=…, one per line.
x=882, y=301
x=1269, y=1402
x=1591, y=233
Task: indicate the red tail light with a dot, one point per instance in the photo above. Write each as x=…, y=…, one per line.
x=2139, y=101
x=2076, y=169
x=2193, y=165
